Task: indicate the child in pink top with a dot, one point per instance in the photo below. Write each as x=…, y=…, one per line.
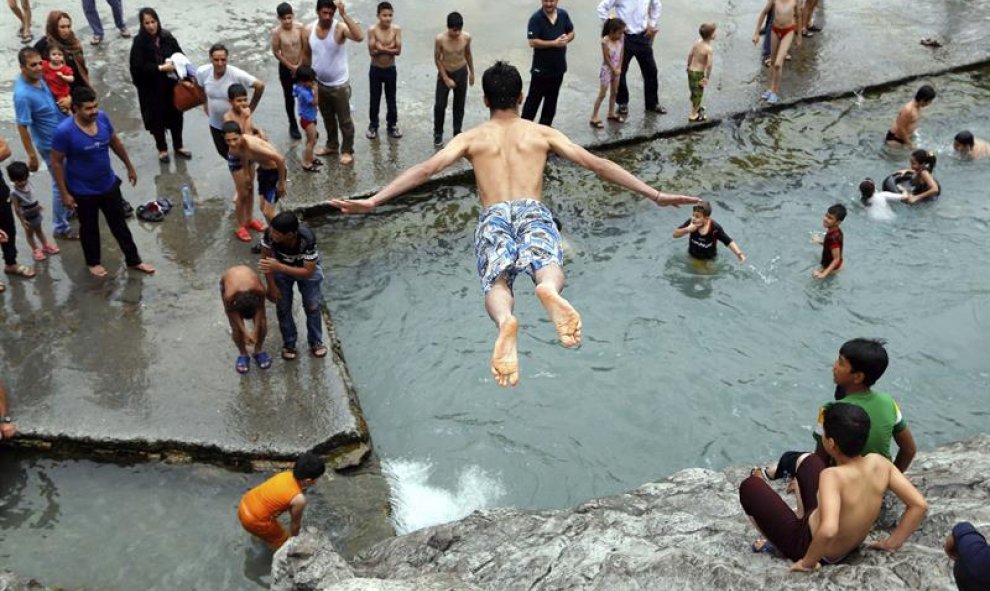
x=612, y=47
x=58, y=76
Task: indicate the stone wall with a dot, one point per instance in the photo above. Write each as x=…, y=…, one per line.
x=686, y=532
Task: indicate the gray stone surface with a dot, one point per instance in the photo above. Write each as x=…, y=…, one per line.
x=685, y=532
x=11, y=582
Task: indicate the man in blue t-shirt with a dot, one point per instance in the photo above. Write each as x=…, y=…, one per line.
x=81, y=167
x=549, y=31
x=37, y=116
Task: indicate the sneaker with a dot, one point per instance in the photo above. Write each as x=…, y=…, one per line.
x=622, y=109
x=371, y=134
x=773, y=99
x=394, y=133
x=294, y=132
x=127, y=208
x=437, y=141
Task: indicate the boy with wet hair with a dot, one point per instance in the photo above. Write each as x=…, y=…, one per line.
x=831, y=242
x=288, y=46
x=699, y=70
x=455, y=71
x=384, y=45
x=783, y=32
x=704, y=231
x=243, y=298
x=838, y=505
x=970, y=148
x=905, y=124
x=240, y=110
x=261, y=506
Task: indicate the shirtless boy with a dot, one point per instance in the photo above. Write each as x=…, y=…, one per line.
x=838, y=505
x=905, y=124
x=515, y=232
x=384, y=45
x=243, y=297
x=288, y=43
x=240, y=111
x=783, y=32
x=969, y=147
x=244, y=149
x=455, y=71
x=699, y=69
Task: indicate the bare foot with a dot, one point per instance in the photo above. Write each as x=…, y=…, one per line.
x=144, y=268
x=346, y=158
x=505, y=358
x=565, y=318
x=98, y=271
x=325, y=151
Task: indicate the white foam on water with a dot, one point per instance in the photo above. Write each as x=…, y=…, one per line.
x=417, y=504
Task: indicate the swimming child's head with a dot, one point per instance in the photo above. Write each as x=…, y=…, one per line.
x=925, y=95
x=964, y=142
x=834, y=216
x=707, y=31
x=923, y=159
x=18, y=173
x=866, y=190
x=308, y=468
x=860, y=362
x=701, y=212
x=846, y=428
x=502, y=86
x=455, y=24
x=55, y=56
x=614, y=28
x=305, y=74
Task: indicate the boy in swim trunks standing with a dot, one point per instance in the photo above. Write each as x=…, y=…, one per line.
x=261, y=506
x=699, y=70
x=905, y=124
x=831, y=242
x=515, y=233
x=783, y=32
x=243, y=151
x=839, y=505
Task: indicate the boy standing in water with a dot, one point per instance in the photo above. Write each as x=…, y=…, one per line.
x=455, y=71
x=261, y=506
x=832, y=241
x=384, y=45
x=839, y=505
x=288, y=43
x=783, y=32
x=699, y=70
x=704, y=231
x=905, y=124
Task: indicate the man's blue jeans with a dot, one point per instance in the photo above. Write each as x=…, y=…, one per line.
x=93, y=17
x=60, y=215
x=309, y=289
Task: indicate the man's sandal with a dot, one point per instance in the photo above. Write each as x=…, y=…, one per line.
x=20, y=271
x=289, y=353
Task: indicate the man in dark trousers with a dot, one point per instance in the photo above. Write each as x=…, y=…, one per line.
x=969, y=549
x=641, y=18
x=549, y=31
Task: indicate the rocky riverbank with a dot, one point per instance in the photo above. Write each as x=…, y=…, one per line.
x=685, y=532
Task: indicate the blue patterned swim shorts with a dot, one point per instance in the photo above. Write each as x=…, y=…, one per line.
x=513, y=237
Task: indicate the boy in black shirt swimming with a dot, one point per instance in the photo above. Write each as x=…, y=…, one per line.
x=704, y=231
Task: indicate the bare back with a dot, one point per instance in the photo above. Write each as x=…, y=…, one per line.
x=237, y=280
x=906, y=122
x=700, y=57
x=509, y=155
x=861, y=486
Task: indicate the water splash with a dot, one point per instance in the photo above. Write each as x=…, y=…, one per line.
x=769, y=276
x=417, y=504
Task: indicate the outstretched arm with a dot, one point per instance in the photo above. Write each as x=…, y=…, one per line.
x=561, y=145
x=408, y=180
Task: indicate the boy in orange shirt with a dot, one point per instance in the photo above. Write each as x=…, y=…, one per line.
x=261, y=506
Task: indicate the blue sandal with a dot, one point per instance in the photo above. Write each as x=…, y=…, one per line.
x=264, y=360
x=243, y=364
x=765, y=548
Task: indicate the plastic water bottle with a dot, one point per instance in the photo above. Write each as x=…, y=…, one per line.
x=187, y=201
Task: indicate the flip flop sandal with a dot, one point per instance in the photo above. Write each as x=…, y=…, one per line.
x=163, y=158
x=310, y=168
x=96, y=40
x=317, y=162
x=21, y=271
x=289, y=353
x=319, y=350
x=762, y=546
x=596, y=124
x=184, y=154
x=617, y=118
x=243, y=364
x=264, y=360
x=242, y=234
x=38, y=254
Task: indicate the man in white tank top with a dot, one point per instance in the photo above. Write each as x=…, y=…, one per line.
x=328, y=57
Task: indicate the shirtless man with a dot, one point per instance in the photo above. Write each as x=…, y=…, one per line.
x=969, y=147
x=839, y=505
x=783, y=32
x=243, y=297
x=905, y=124
x=516, y=232
x=288, y=47
x=384, y=45
x=243, y=150
x=455, y=71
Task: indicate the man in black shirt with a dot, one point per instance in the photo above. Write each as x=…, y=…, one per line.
x=704, y=232
x=549, y=31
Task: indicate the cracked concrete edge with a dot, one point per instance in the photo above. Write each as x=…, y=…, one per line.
x=465, y=175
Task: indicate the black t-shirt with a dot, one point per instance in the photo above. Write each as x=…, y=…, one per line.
x=303, y=251
x=551, y=61
x=703, y=246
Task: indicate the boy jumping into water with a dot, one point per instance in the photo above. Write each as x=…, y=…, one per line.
x=516, y=232
x=783, y=32
x=905, y=124
x=699, y=70
x=838, y=505
x=261, y=506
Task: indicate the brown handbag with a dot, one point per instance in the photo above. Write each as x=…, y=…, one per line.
x=188, y=95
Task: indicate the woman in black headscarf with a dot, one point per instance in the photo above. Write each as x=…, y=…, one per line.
x=150, y=74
